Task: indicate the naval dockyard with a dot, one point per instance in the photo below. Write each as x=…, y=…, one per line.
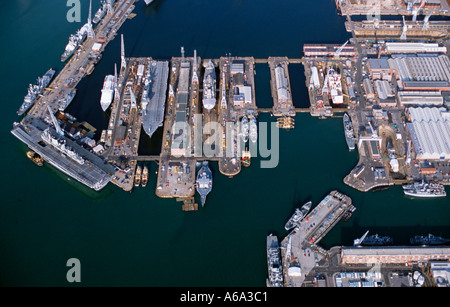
x=389, y=83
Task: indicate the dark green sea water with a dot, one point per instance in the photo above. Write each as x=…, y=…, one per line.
x=137, y=239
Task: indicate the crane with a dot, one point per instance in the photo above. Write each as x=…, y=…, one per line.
x=339, y=50
x=417, y=9
x=405, y=28
x=425, y=22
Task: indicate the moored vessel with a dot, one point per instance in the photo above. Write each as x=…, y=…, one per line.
x=274, y=267
x=204, y=182
x=35, y=90
x=348, y=129
x=244, y=129
x=425, y=189
x=253, y=129
x=137, y=176
x=144, y=176
x=107, y=92
x=209, y=86
x=428, y=240
x=298, y=215
x=35, y=158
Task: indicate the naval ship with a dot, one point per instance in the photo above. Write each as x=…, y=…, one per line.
x=107, y=92
x=298, y=215
x=35, y=90
x=428, y=240
x=64, y=103
x=75, y=40
x=253, y=129
x=204, y=182
x=348, y=128
x=209, y=86
x=244, y=129
x=424, y=189
x=372, y=240
x=101, y=12
x=274, y=262
x=154, y=96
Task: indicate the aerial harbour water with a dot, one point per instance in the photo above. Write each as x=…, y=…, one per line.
x=140, y=239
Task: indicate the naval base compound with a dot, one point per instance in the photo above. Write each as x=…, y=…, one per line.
x=306, y=264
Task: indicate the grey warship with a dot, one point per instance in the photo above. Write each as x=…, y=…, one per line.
x=204, y=182
x=154, y=96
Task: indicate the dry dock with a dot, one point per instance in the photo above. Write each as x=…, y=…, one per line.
x=299, y=248
x=281, y=87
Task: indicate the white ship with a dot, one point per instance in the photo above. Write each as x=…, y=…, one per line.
x=209, y=86
x=244, y=129
x=335, y=86
x=148, y=2
x=253, y=129
x=107, y=92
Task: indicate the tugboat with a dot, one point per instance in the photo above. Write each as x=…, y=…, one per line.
x=145, y=176
x=204, y=182
x=35, y=158
x=137, y=177
x=298, y=215
x=246, y=158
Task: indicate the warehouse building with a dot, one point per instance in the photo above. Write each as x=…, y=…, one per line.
x=430, y=132
x=420, y=98
x=414, y=48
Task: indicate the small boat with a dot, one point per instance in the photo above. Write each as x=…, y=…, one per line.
x=144, y=176
x=298, y=215
x=137, y=177
x=35, y=158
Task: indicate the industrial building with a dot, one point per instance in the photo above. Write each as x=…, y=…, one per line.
x=393, y=255
x=430, y=132
x=441, y=273
x=282, y=85
x=422, y=72
x=380, y=69
x=420, y=98
x=392, y=48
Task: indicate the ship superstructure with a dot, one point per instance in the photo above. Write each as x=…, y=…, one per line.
x=209, y=86
x=429, y=239
x=274, y=266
